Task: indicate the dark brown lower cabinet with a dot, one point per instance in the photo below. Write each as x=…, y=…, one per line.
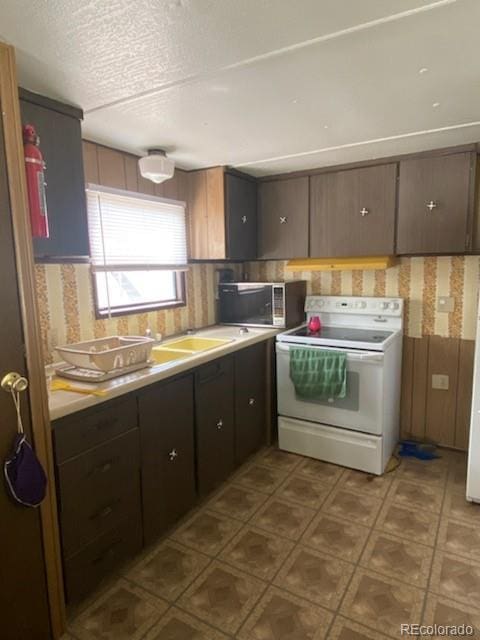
x=128, y=469
x=98, y=481
x=250, y=401
x=87, y=568
x=98, y=490
x=214, y=409
x=168, y=458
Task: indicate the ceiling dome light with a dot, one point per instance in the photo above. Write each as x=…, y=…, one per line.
x=156, y=166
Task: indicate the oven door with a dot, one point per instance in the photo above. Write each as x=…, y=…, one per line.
x=360, y=410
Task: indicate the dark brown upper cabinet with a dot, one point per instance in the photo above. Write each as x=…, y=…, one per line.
x=283, y=218
x=435, y=204
x=241, y=217
x=353, y=212
x=222, y=215
x=59, y=128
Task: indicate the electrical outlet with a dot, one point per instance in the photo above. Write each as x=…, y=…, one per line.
x=440, y=382
x=445, y=304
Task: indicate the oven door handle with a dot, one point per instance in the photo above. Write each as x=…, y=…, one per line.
x=353, y=356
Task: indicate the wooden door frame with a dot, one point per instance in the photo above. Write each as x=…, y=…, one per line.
x=10, y=111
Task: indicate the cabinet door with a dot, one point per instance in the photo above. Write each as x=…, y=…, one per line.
x=217, y=249
x=434, y=204
x=168, y=468
x=197, y=215
x=214, y=406
x=250, y=401
x=241, y=211
x=61, y=146
x=353, y=212
x=283, y=218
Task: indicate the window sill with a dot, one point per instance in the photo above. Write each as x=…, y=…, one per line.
x=128, y=311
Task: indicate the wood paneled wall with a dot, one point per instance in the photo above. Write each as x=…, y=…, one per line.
x=437, y=415
x=119, y=170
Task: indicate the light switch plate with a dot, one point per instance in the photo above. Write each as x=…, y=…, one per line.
x=445, y=304
x=440, y=382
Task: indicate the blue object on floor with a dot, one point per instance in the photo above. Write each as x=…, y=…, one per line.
x=412, y=449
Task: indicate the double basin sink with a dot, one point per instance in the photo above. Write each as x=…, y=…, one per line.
x=184, y=348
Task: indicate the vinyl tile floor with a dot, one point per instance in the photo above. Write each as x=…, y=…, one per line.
x=291, y=548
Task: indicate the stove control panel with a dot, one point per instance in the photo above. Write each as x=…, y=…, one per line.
x=354, y=305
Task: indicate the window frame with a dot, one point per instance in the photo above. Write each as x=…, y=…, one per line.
x=115, y=312
x=179, y=272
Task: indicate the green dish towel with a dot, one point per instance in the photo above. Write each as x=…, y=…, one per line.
x=318, y=374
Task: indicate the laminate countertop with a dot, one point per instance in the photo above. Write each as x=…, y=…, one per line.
x=62, y=403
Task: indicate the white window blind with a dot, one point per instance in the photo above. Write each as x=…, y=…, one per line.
x=128, y=230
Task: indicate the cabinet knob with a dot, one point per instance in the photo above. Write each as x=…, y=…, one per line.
x=283, y=219
x=219, y=424
x=244, y=219
x=431, y=205
x=172, y=455
x=364, y=212
x=104, y=513
x=251, y=401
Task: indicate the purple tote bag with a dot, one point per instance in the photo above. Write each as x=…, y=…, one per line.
x=25, y=478
x=24, y=475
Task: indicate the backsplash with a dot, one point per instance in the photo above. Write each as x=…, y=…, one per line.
x=418, y=280
x=67, y=314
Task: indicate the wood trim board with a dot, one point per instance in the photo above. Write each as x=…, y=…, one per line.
x=33, y=342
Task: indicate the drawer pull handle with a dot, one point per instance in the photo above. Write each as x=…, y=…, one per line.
x=105, y=424
x=431, y=205
x=244, y=219
x=103, y=513
x=251, y=401
x=364, y=212
x=283, y=219
x=173, y=454
x=108, y=552
x=220, y=424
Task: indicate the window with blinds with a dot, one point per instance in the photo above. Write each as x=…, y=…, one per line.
x=138, y=251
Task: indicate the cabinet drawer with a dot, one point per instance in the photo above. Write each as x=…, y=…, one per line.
x=87, y=429
x=85, y=570
x=212, y=371
x=109, y=466
x=82, y=521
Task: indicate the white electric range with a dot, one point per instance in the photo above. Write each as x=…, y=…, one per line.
x=361, y=430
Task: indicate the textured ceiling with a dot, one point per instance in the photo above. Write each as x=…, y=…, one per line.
x=265, y=85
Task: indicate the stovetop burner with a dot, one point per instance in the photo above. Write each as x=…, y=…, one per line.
x=344, y=333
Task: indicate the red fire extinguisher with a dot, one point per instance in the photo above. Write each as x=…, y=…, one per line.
x=35, y=169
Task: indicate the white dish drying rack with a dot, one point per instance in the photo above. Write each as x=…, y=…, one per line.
x=107, y=355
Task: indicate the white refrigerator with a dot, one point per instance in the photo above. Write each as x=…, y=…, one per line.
x=473, y=472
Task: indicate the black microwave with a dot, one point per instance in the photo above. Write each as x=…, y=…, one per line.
x=262, y=304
